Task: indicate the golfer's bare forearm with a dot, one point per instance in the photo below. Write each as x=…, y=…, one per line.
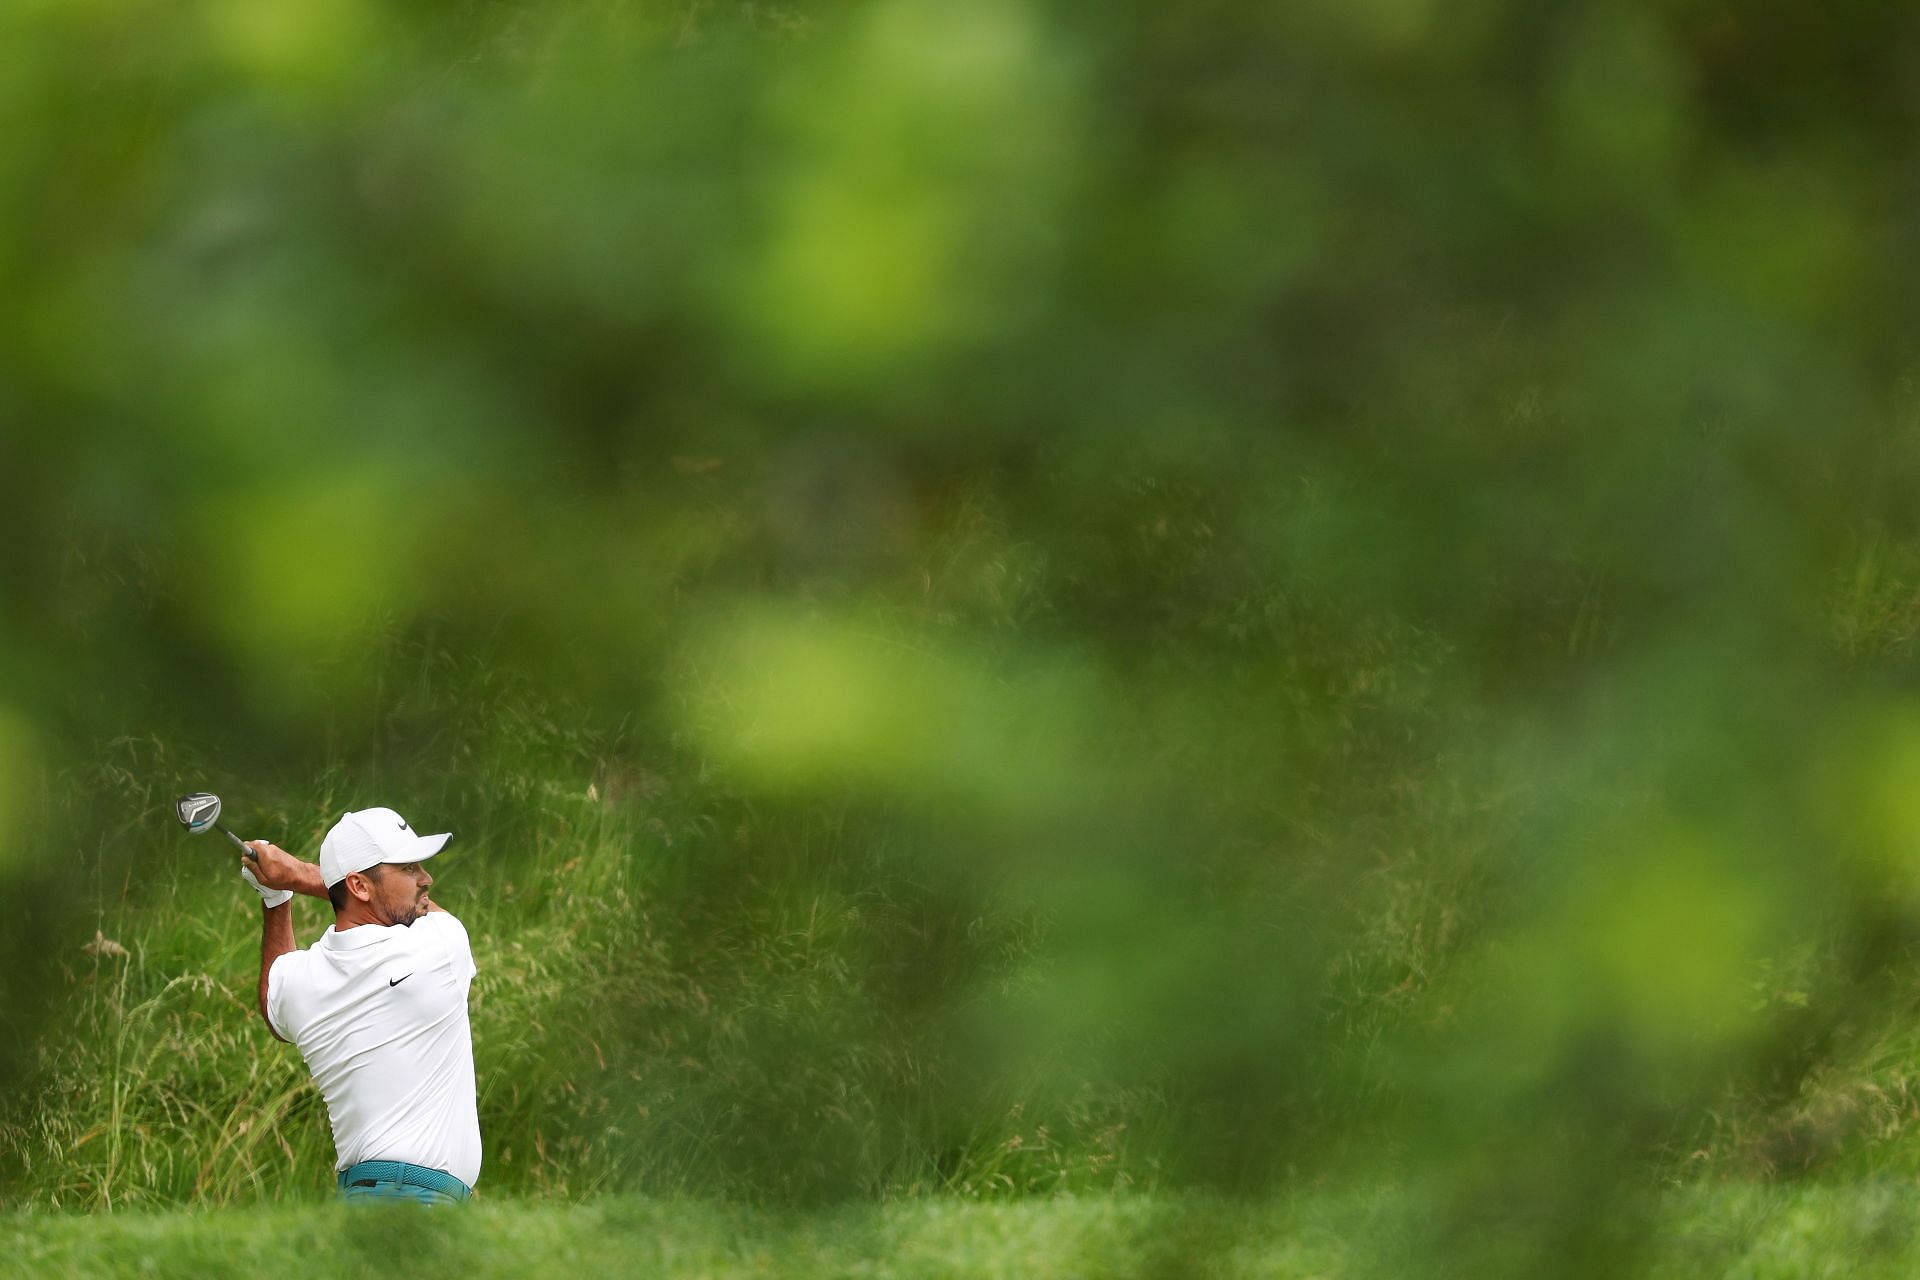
x=275, y=868
x=305, y=878
x=276, y=939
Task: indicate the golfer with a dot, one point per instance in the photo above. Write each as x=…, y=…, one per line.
x=377, y=1006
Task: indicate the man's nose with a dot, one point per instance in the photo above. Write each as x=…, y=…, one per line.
x=426, y=881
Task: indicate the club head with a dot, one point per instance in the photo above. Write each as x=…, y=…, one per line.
x=198, y=812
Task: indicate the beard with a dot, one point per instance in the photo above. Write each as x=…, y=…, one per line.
x=406, y=915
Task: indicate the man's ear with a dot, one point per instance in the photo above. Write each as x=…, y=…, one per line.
x=363, y=890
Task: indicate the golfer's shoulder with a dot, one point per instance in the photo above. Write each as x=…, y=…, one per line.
x=442, y=925
x=291, y=975
x=294, y=961
x=443, y=931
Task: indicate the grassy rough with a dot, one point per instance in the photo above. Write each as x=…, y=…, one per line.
x=674, y=996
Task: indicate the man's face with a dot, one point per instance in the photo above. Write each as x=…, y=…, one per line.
x=398, y=891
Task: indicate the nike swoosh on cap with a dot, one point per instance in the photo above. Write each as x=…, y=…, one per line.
x=394, y=982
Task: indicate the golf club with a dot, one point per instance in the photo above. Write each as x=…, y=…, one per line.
x=201, y=810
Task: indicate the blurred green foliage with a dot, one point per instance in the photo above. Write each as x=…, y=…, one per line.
x=1004, y=597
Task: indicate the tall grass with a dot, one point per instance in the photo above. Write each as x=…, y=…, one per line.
x=676, y=991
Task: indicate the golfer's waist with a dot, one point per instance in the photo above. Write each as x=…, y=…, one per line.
x=373, y=1172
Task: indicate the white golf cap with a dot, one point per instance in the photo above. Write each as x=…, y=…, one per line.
x=369, y=837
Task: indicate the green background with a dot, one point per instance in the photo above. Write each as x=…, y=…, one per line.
x=1202, y=603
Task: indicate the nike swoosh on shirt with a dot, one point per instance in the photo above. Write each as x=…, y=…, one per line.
x=394, y=982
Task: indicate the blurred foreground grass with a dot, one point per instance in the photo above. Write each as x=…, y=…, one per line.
x=1868, y=1229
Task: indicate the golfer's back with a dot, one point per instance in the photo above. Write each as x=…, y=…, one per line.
x=380, y=1014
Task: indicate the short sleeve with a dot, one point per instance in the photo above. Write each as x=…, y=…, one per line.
x=277, y=983
x=450, y=933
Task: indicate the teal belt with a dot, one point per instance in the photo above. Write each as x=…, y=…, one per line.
x=398, y=1173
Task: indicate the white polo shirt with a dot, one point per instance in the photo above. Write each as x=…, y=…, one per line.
x=380, y=1014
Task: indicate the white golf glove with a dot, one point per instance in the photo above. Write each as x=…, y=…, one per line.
x=268, y=897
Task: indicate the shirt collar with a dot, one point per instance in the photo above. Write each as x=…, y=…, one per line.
x=361, y=935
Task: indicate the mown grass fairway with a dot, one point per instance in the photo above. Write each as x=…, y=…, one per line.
x=1041, y=1240
x=1867, y=1230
